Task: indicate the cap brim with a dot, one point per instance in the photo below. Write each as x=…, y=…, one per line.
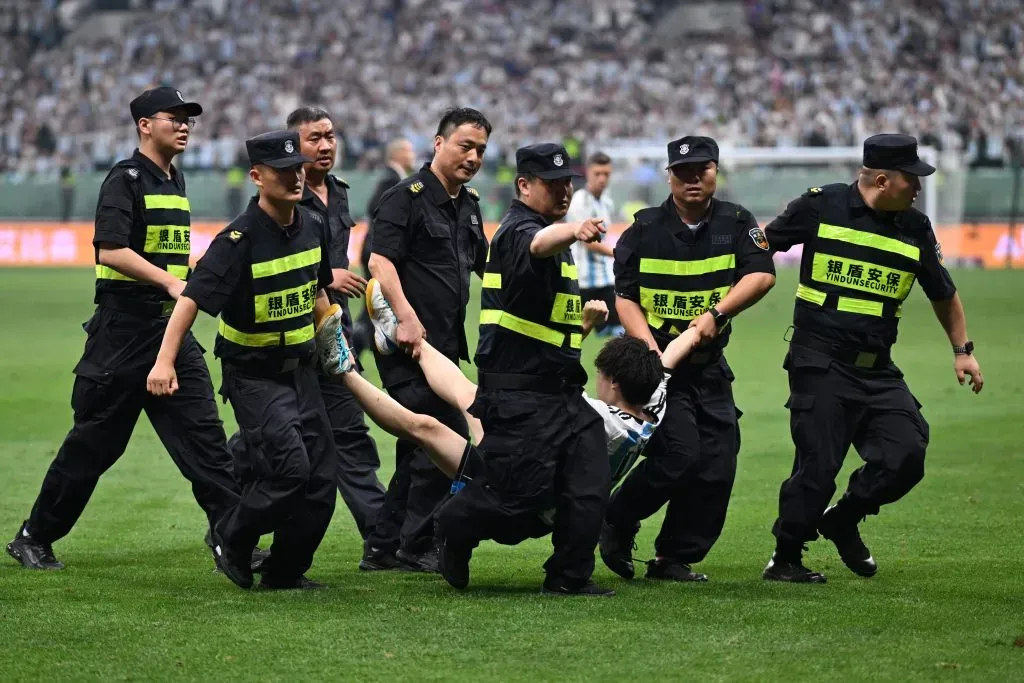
x=556, y=175
x=919, y=168
x=191, y=108
x=695, y=159
x=286, y=162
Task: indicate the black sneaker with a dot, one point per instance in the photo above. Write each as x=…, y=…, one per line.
x=590, y=589
x=792, y=572
x=259, y=557
x=427, y=562
x=843, y=532
x=454, y=564
x=667, y=570
x=236, y=568
x=31, y=553
x=617, y=546
x=378, y=560
x=301, y=583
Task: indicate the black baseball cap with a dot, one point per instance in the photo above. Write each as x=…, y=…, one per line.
x=546, y=160
x=277, y=149
x=692, y=149
x=895, y=152
x=162, y=99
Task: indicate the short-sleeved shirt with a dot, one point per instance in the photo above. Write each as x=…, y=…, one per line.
x=627, y=435
x=142, y=208
x=821, y=220
x=726, y=246
x=530, y=311
x=223, y=280
x=435, y=242
x=594, y=270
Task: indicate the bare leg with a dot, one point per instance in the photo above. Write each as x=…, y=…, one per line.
x=447, y=381
x=444, y=446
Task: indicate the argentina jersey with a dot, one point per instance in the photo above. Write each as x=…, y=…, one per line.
x=627, y=436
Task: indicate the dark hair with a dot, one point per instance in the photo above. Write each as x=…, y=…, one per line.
x=307, y=114
x=525, y=176
x=599, y=159
x=635, y=368
x=458, y=116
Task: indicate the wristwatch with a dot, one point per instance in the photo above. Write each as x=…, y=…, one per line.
x=721, y=319
x=965, y=350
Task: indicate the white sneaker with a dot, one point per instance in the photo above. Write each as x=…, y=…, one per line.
x=331, y=345
x=385, y=324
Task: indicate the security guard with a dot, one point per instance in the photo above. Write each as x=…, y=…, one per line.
x=864, y=246
x=694, y=261
x=427, y=239
x=543, y=444
x=142, y=257
x=265, y=276
x=326, y=195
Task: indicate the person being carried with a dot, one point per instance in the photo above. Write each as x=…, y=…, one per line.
x=631, y=385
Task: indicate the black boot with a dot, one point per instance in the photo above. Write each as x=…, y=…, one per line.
x=788, y=566
x=32, y=553
x=617, y=545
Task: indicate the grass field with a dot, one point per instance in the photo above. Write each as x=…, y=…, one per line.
x=139, y=599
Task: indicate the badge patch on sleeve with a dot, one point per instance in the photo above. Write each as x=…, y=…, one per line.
x=757, y=234
x=938, y=251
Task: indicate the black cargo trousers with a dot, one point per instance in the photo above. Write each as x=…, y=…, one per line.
x=833, y=405
x=108, y=397
x=540, y=451
x=287, y=469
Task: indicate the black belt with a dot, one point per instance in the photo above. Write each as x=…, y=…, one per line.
x=702, y=358
x=860, y=358
x=269, y=368
x=545, y=384
x=141, y=309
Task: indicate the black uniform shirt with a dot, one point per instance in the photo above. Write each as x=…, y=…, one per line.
x=218, y=274
x=337, y=219
x=729, y=223
x=799, y=224
x=435, y=243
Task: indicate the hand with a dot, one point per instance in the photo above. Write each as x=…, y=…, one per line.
x=653, y=346
x=348, y=283
x=594, y=313
x=162, y=380
x=175, y=288
x=589, y=230
x=409, y=335
x=964, y=366
x=707, y=328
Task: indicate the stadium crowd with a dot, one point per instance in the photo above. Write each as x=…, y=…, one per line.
x=801, y=72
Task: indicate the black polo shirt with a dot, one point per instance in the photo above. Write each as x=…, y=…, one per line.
x=435, y=242
x=336, y=217
x=843, y=206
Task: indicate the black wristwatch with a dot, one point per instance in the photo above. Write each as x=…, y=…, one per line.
x=965, y=350
x=721, y=319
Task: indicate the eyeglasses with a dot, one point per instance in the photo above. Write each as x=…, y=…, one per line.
x=190, y=122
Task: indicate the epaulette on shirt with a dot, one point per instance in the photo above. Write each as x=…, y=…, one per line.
x=647, y=215
x=416, y=187
x=340, y=181
x=813, y=191
x=131, y=168
x=472, y=192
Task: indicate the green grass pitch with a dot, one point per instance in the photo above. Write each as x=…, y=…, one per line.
x=139, y=599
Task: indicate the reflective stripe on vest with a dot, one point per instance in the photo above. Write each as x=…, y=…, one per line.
x=665, y=303
x=858, y=276
x=286, y=263
x=843, y=303
x=287, y=303
x=108, y=273
x=659, y=266
x=529, y=329
x=166, y=201
x=264, y=339
x=168, y=239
